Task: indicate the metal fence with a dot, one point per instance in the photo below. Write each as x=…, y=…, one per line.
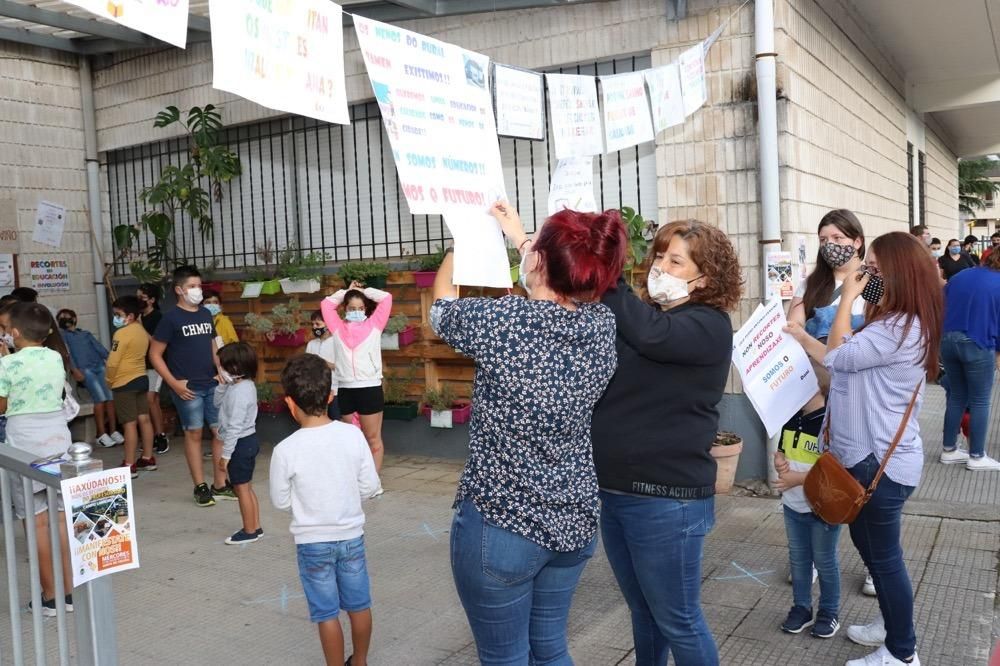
x=334, y=188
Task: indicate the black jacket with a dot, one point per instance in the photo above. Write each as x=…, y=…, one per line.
x=654, y=427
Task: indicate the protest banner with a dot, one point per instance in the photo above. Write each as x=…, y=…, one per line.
x=691, y=64
x=166, y=20
x=776, y=373
x=520, y=102
x=575, y=114
x=626, y=111
x=100, y=518
x=572, y=186
x=50, y=222
x=49, y=275
x=665, y=96
x=287, y=56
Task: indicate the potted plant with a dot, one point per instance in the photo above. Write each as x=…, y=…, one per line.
x=368, y=273
x=283, y=328
x=274, y=423
x=394, y=388
x=300, y=272
x=398, y=332
x=427, y=267
x=265, y=277
x=726, y=450
x=514, y=259
x=439, y=403
x=640, y=232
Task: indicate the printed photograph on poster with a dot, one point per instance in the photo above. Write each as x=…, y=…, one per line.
x=520, y=102
x=49, y=275
x=572, y=186
x=575, y=114
x=779, y=275
x=50, y=222
x=777, y=375
x=626, y=111
x=100, y=519
x=289, y=57
x=803, y=260
x=665, y=96
x=691, y=64
x=166, y=20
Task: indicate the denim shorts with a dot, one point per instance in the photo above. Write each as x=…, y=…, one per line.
x=244, y=460
x=199, y=411
x=334, y=576
x=97, y=385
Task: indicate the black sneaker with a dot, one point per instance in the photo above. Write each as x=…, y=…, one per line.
x=242, y=537
x=226, y=493
x=202, y=495
x=48, y=607
x=69, y=603
x=161, y=443
x=826, y=625
x=260, y=531
x=799, y=618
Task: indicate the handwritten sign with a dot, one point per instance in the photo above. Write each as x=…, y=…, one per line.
x=520, y=102
x=626, y=111
x=572, y=186
x=8, y=227
x=777, y=375
x=50, y=222
x=287, y=56
x=665, y=96
x=576, y=117
x=692, y=71
x=49, y=275
x=166, y=20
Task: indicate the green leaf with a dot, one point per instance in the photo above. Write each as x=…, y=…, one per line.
x=168, y=116
x=159, y=224
x=123, y=235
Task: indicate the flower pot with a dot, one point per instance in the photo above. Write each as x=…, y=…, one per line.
x=296, y=339
x=310, y=286
x=424, y=279
x=727, y=457
x=275, y=406
x=390, y=341
x=214, y=286
x=406, y=411
x=271, y=287
x=442, y=419
x=393, y=341
x=515, y=273
x=272, y=427
x=460, y=412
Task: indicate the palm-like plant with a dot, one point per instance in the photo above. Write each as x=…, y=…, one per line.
x=974, y=186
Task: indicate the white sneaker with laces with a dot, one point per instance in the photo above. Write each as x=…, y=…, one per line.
x=882, y=657
x=105, y=441
x=982, y=464
x=117, y=437
x=872, y=635
x=868, y=588
x=955, y=456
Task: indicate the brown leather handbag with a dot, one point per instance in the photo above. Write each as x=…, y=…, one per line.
x=836, y=496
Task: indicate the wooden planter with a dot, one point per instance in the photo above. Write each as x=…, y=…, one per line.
x=296, y=339
x=424, y=279
x=727, y=457
x=404, y=412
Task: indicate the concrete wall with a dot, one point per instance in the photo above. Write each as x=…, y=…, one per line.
x=41, y=158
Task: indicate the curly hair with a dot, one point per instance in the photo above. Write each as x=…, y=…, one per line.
x=712, y=253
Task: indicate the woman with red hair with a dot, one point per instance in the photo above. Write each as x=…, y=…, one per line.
x=874, y=375
x=526, y=509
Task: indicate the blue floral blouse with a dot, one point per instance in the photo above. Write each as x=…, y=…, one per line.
x=540, y=370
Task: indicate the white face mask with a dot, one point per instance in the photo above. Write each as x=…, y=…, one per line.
x=194, y=296
x=523, y=270
x=664, y=288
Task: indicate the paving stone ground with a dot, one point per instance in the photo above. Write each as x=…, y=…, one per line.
x=196, y=600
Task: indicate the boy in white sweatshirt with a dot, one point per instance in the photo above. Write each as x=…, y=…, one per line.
x=322, y=472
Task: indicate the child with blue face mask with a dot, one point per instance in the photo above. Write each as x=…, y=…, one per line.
x=224, y=328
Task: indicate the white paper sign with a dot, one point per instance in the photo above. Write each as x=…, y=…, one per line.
x=779, y=276
x=572, y=186
x=692, y=71
x=438, y=113
x=576, y=116
x=49, y=275
x=287, y=56
x=164, y=19
x=520, y=102
x=626, y=111
x=7, y=271
x=100, y=518
x=777, y=375
x=665, y=96
x=50, y=221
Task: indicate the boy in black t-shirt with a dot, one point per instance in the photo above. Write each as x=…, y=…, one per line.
x=190, y=370
x=149, y=298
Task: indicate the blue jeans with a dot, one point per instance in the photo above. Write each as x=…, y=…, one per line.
x=655, y=547
x=813, y=542
x=97, y=385
x=876, y=535
x=969, y=370
x=199, y=411
x=334, y=576
x=516, y=594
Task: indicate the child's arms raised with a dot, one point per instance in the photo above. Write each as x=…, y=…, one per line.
x=380, y=317
x=328, y=307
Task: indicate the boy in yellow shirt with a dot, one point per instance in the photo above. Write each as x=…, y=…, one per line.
x=224, y=329
x=126, y=369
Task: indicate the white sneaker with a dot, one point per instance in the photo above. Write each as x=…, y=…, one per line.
x=105, y=441
x=952, y=457
x=868, y=589
x=117, y=437
x=872, y=635
x=882, y=657
x=815, y=576
x=982, y=464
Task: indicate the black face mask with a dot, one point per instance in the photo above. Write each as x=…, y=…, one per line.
x=319, y=332
x=874, y=290
x=65, y=324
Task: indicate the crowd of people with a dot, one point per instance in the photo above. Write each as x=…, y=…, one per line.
x=596, y=408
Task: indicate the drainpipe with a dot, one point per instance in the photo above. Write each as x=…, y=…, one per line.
x=767, y=133
x=94, y=197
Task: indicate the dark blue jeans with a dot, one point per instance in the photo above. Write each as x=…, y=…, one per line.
x=813, y=542
x=876, y=535
x=655, y=547
x=969, y=371
x=516, y=594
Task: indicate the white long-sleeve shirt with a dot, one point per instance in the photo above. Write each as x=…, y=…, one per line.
x=322, y=474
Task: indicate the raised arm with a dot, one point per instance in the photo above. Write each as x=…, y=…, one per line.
x=380, y=317
x=329, y=307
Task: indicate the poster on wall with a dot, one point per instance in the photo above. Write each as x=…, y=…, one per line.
x=576, y=116
x=287, y=56
x=626, y=111
x=50, y=222
x=49, y=275
x=691, y=64
x=438, y=112
x=572, y=186
x=803, y=260
x=520, y=102
x=166, y=20
x=665, y=96
x=100, y=518
x=779, y=276
x=776, y=373
x=8, y=227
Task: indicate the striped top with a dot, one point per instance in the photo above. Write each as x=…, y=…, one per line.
x=872, y=377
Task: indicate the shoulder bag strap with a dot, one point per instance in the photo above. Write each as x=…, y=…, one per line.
x=836, y=294
x=895, y=440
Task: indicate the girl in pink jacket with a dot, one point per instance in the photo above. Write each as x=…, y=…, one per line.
x=358, y=357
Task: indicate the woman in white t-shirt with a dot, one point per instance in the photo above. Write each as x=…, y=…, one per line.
x=322, y=345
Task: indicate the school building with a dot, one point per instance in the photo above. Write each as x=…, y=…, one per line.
x=874, y=101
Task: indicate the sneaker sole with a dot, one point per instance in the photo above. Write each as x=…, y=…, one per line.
x=830, y=635
x=961, y=461
x=230, y=542
x=866, y=643
x=982, y=469
x=869, y=592
x=208, y=503
x=800, y=629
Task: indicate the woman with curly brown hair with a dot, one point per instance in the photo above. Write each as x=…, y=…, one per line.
x=658, y=481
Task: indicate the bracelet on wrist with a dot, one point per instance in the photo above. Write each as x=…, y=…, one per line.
x=520, y=248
